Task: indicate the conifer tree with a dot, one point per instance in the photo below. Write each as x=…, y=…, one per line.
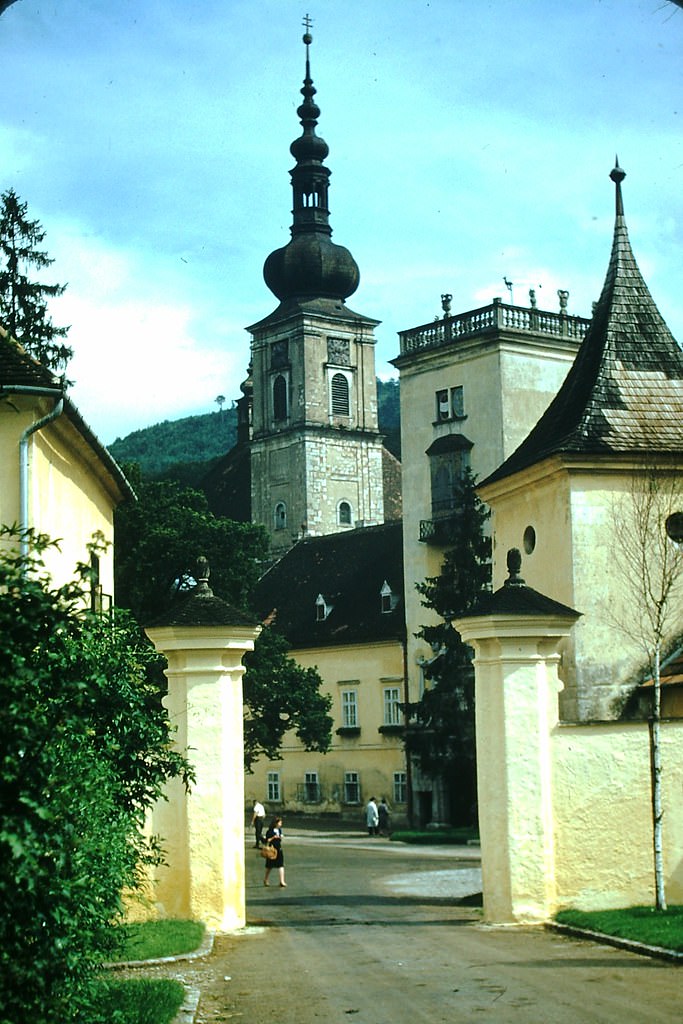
x=23, y=302
x=441, y=730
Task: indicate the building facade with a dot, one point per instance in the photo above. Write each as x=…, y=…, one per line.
x=472, y=386
x=316, y=451
x=57, y=478
x=614, y=431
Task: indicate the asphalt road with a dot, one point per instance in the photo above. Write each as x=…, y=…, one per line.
x=375, y=933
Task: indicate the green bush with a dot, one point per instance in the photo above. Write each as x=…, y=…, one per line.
x=85, y=747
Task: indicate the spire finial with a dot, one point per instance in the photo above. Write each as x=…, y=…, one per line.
x=617, y=176
x=308, y=25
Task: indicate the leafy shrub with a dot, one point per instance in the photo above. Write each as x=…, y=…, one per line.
x=85, y=747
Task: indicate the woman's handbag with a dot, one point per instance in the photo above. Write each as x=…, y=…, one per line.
x=268, y=852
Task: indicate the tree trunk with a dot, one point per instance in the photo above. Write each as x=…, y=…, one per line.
x=656, y=782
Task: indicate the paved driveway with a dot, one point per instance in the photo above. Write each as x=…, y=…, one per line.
x=378, y=933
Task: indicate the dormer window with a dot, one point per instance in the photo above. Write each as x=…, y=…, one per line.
x=387, y=598
x=322, y=608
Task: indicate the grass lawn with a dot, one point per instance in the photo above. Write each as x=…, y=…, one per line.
x=435, y=837
x=641, y=924
x=140, y=1001
x=151, y=940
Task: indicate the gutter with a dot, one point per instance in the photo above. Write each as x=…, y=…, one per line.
x=58, y=394
x=23, y=458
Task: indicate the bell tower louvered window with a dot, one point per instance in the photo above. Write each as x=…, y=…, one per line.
x=280, y=397
x=340, y=395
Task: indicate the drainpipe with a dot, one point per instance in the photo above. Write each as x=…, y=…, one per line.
x=23, y=451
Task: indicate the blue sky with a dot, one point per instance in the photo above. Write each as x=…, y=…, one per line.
x=469, y=141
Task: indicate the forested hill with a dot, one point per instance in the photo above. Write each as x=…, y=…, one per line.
x=184, y=449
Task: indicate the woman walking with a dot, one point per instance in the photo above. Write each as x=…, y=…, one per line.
x=274, y=837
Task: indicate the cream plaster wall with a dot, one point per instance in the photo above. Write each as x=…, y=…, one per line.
x=203, y=832
x=366, y=668
x=508, y=383
x=71, y=494
x=573, y=509
x=603, y=818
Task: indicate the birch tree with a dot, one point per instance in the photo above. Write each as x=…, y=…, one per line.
x=649, y=565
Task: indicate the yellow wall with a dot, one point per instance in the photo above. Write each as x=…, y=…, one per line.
x=367, y=668
x=573, y=510
x=603, y=819
x=71, y=494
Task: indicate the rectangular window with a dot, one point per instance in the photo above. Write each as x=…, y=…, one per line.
x=351, y=788
x=349, y=709
x=392, y=713
x=400, y=787
x=442, y=408
x=311, y=788
x=274, y=786
x=457, y=402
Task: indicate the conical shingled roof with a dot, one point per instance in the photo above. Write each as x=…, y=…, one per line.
x=624, y=392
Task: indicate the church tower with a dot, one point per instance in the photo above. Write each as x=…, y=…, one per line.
x=316, y=451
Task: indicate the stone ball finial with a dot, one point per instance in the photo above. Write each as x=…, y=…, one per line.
x=514, y=564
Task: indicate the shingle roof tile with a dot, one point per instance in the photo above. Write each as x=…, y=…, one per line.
x=624, y=392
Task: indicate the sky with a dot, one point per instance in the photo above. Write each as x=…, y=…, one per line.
x=469, y=142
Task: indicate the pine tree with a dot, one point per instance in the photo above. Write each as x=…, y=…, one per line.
x=23, y=302
x=441, y=732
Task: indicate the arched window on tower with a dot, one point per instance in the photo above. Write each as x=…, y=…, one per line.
x=344, y=514
x=280, y=516
x=339, y=389
x=280, y=398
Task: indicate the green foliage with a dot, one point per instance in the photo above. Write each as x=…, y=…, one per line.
x=652, y=927
x=23, y=302
x=172, y=446
x=389, y=414
x=185, y=449
x=280, y=696
x=438, y=837
x=135, y=1001
x=85, y=748
x=158, y=540
x=149, y=940
x=441, y=732
x=159, y=537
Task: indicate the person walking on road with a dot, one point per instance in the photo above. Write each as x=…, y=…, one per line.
x=274, y=837
x=372, y=817
x=384, y=820
x=258, y=819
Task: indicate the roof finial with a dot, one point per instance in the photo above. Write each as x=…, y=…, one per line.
x=307, y=37
x=617, y=176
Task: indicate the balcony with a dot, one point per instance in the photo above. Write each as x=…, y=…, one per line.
x=499, y=316
x=439, y=531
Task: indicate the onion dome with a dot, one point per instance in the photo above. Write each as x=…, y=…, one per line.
x=311, y=265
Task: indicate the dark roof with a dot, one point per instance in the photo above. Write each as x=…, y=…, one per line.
x=313, y=306
x=19, y=369
x=516, y=598
x=624, y=392
x=20, y=372
x=200, y=607
x=349, y=570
